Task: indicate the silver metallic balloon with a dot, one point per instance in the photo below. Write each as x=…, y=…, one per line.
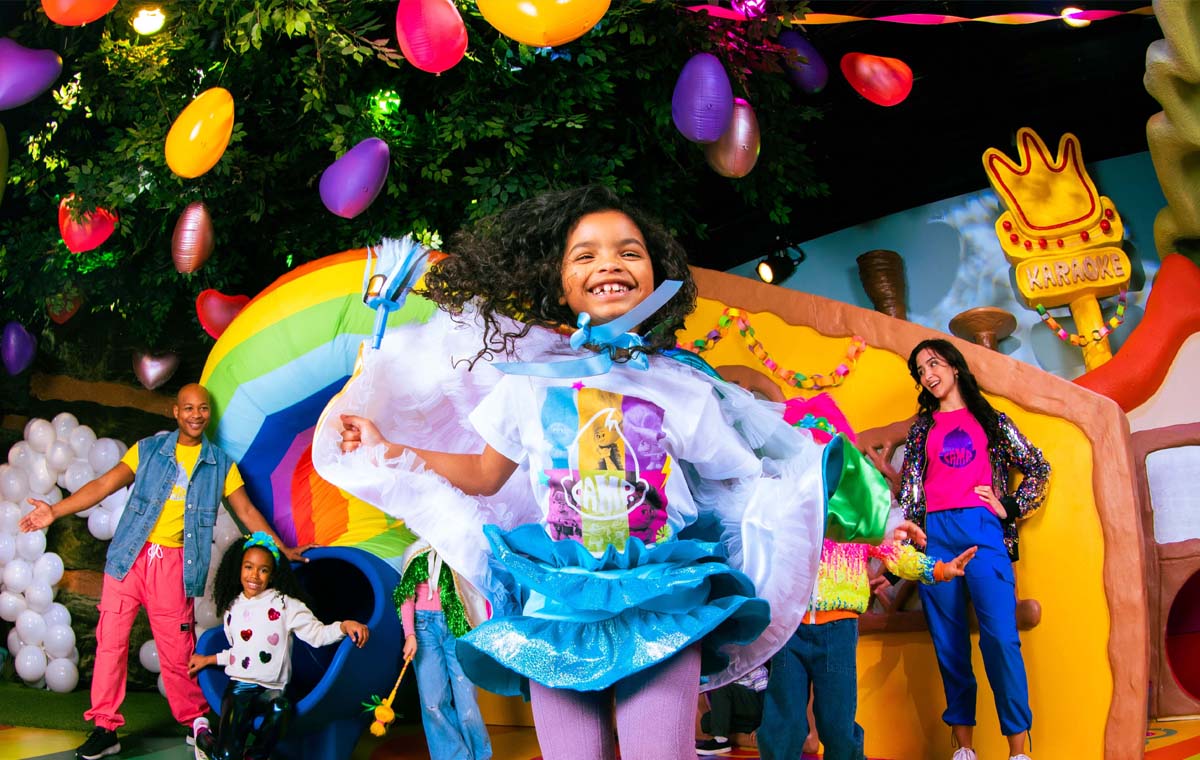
x=193, y=239
x=152, y=370
x=736, y=152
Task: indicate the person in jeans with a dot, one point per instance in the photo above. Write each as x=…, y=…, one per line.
x=734, y=708
x=158, y=558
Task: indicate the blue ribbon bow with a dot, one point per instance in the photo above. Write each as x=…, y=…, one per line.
x=608, y=337
x=263, y=539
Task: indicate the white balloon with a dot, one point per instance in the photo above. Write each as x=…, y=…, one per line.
x=48, y=569
x=148, y=656
x=31, y=663
x=58, y=614
x=206, y=613
x=79, y=473
x=51, y=497
x=116, y=516
x=59, y=455
x=12, y=605
x=10, y=515
x=14, y=483
x=40, y=435
x=161, y=689
x=14, y=641
x=31, y=627
x=31, y=545
x=61, y=675
x=17, y=575
x=19, y=454
x=64, y=423
x=122, y=448
x=59, y=641
x=104, y=455
x=39, y=596
x=116, y=500
x=100, y=524
x=74, y=657
x=8, y=547
x=40, y=477
x=61, y=480
x=81, y=439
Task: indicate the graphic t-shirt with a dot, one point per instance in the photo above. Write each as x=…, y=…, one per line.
x=168, y=531
x=957, y=456
x=604, y=452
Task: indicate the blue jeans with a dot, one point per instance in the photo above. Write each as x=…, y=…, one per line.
x=990, y=586
x=824, y=656
x=454, y=728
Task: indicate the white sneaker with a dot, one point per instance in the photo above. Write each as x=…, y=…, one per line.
x=1021, y=756
x=200, y=727
x=964, y=753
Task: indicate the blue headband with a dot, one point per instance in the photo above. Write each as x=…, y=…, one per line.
x=263, y=539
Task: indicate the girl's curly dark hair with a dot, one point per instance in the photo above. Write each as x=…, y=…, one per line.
x=228, y=583
x=968, y=387
x=510, y=265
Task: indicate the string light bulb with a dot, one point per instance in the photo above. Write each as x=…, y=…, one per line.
x=149, y=21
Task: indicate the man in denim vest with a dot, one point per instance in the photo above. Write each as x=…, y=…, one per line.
x=158, y=558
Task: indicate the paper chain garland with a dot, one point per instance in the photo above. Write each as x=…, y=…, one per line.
x=1097, y=335
x=797, y=379
x=932, y=19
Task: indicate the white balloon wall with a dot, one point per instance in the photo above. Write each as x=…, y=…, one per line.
x=54, y=453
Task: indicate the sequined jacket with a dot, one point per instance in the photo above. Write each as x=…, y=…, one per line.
x=1012, y=451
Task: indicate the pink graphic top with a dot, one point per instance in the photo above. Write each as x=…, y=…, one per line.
x=957, y=461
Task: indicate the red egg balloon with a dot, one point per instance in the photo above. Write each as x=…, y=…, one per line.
x=89, y=232
x=192, y=241
x=76, y=12
x=432, y=35
x=216, y=310
x=736, y=152
x=883, y=81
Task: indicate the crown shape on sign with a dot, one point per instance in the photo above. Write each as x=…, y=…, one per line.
x=1053, y=205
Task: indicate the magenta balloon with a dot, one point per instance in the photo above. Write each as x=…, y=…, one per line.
x=811, y=74
x=25, y=73
x=17, y=348
x=702, y=104
x=432, y=35
x=351, y=183
x=736, y=153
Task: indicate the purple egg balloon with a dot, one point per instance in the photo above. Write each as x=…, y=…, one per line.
x=17, y=348
x=25, y=73
x=702, y=104
x=811, y=74
x=351, y=183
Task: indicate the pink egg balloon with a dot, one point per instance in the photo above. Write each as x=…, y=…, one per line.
x=217, y=310
x=431, y=34
x=736, y=152
x=350, y=184
x=25, y=73
x=883, y=81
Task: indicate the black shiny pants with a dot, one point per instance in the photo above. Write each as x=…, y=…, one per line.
x=242, y=704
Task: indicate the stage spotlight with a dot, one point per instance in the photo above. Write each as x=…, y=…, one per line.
x=778, y=266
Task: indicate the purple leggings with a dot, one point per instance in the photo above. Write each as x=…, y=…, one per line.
x=656, y=715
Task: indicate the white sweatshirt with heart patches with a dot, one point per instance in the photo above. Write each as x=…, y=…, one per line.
x=261, y=630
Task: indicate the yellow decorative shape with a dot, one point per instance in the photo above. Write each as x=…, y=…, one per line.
x=1058, y=280
x=200, y=134
x=1053, y=205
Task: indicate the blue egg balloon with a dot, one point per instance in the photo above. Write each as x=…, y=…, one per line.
x=351, y=183
x=702, y=104
x=810, y=74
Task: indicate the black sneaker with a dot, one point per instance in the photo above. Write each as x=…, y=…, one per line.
x=713, y=747
x=100, y=743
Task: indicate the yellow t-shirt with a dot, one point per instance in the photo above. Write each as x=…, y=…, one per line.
x=168, y=531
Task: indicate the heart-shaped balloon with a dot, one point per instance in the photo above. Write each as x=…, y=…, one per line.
x=76, y=12
x=153, y=370
x=62, y=306
x=216, y=310
x=89, y=232
x=193, y=239
x=25, y=73
x=350, y=184
x=17, y=348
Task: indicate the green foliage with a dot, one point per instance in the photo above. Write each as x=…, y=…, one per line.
x=310, y=79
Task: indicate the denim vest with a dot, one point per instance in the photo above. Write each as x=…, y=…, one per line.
x=157, y=470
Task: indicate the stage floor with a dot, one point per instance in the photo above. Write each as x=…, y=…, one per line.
x=1174, y=740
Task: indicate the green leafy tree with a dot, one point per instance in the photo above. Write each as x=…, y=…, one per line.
x=310, y=79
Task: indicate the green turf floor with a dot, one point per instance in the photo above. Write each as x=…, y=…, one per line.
x=145, y=712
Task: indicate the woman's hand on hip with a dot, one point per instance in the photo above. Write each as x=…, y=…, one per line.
x=989, y=497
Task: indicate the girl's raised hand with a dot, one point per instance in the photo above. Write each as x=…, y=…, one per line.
x=358, y=431
x=957, y=567
x=989, y=497
x=357, y=632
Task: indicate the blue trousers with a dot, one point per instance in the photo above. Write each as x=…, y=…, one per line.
x=990, y=586
x=454, y=728
x=824, y=656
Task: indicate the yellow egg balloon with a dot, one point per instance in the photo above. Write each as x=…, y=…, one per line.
x=199, y=136
x=543, y=23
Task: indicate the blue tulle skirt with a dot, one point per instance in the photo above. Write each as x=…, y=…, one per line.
x=588, y=622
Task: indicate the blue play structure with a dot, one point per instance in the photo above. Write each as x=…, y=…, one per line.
x=329, y=684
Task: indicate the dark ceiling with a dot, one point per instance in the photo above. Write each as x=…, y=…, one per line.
x=975, y=85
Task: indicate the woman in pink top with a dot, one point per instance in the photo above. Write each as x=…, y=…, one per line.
x=954, y=484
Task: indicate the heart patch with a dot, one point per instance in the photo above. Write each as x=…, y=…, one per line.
x=245, y=663
x=246, y=634
x=264, y=657
x=272, y=614
x=273, y=639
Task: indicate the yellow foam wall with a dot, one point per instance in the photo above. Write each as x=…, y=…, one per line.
x=900, y=694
